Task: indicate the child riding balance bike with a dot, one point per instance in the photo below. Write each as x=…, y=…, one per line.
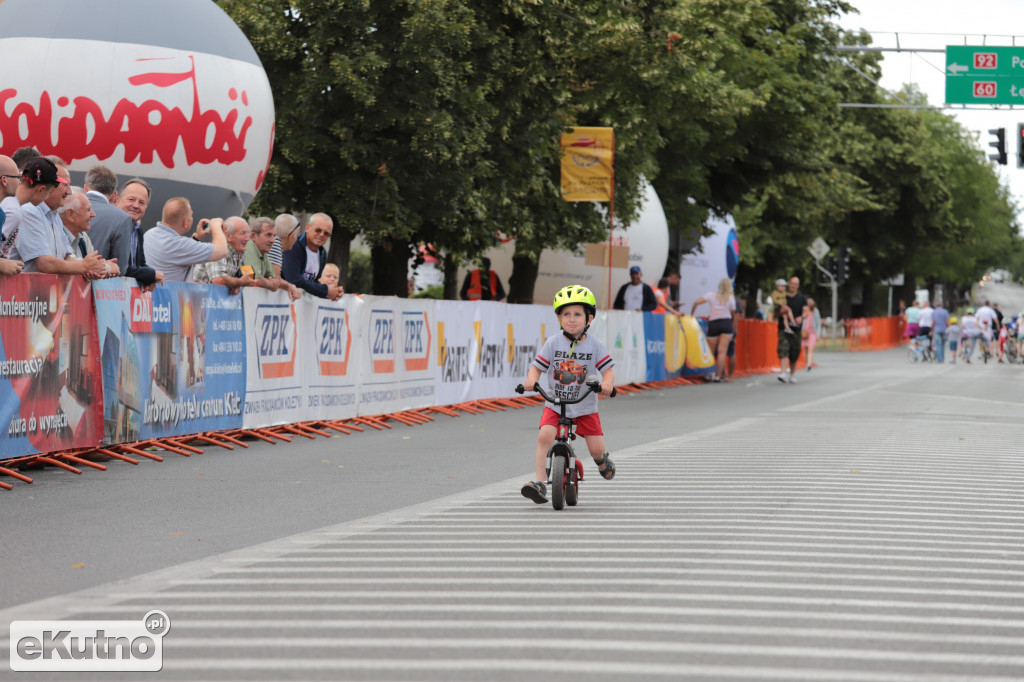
x=567, y=359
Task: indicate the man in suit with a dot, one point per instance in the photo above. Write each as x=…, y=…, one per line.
x=133, y=200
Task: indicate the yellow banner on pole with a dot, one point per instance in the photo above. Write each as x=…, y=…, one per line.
x=588, y=158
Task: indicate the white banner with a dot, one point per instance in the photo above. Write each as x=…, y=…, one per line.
x=623, y=333
x=365, y=355
x=292, y=376
x=397, y=342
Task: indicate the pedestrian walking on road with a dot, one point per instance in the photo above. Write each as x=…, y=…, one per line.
x=953, y=333
x=789, y=334
x=811, y=331
x=940, y=325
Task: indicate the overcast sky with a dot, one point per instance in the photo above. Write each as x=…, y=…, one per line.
x=935, y=24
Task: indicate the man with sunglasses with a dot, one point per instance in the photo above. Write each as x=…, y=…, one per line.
x=304, y=262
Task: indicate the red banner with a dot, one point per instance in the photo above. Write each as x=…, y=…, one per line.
x=50, y=388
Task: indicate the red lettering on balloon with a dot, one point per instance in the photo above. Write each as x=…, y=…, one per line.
x=147, y=129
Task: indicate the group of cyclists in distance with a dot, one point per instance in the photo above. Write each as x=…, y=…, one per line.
x=932, y=332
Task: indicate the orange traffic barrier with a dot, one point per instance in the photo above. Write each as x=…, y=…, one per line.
x=873, y=333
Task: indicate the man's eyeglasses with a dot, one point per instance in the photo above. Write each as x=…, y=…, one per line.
x=16, y=177
x=317, y=230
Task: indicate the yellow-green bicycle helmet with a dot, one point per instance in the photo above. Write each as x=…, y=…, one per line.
x=575, y=294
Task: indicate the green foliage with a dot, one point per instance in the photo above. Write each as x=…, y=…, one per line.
x=437, y=121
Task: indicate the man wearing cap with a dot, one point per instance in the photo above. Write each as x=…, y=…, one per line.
x=41, y=242
x=482, y=284
x=635, y=295
x=25, y=191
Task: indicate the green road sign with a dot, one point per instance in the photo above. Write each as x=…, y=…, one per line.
x=984, y=75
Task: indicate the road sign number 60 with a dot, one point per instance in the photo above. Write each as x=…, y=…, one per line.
x=984, y=89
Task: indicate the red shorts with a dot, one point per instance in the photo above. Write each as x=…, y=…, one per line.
x=586, y=425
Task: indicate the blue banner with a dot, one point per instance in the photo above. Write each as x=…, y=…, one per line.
x=173, y=360
x=654, y=335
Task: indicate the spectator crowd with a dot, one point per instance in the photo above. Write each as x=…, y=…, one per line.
x=98, y=231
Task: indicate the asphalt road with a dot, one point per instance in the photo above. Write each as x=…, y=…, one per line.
x=863, y=524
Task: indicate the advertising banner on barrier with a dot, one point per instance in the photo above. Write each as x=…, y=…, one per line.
x=485, y=348
x=303, y=360
x=398, y=344
x=50, y=382
x=457, y=322
x=687, y=350
x=676, y=346
x=654, y=336
x=173, y=359
x=623, y=334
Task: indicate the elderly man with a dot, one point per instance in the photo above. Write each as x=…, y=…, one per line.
x=112, y=230
x=287, y=227
x=42, y=243
x=304, y=262
x=228, y=270
x=171, y=252
x=77, y=215
x=261, y=241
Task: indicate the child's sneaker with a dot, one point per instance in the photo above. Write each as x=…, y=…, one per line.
x=536, y=491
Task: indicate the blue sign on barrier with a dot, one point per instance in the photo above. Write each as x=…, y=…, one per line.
x=654, y=336
x=173, y=359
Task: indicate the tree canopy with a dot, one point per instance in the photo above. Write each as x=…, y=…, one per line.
x=437, y=122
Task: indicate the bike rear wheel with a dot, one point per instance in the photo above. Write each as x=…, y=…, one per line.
x=559, y=465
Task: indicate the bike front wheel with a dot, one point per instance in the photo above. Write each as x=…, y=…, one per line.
x=559, y=466
x=572, y=487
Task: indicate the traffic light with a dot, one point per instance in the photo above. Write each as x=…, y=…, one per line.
x=1020, y=145
x=843, y=265
x=1000, y=145
x=830, y=265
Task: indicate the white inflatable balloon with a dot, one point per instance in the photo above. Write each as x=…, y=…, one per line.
x=168, y=91
x=700, y=272
x=647, y=240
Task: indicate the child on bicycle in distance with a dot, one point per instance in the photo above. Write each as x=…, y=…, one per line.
x=567, y=359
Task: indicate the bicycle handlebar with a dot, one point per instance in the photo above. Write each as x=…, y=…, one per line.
x=593, y=384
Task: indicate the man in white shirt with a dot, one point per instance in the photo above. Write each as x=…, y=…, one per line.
x=924, y=322
x=635, y=295
x=167, y=248
x=988, y=320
